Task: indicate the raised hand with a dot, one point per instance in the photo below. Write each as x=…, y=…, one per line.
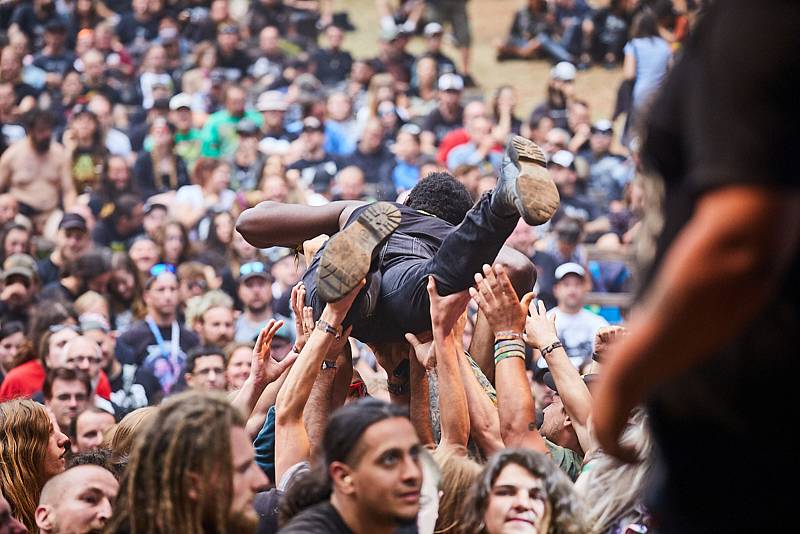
x=496, y=297
x=335, y=312
x=540, y=331
x=303, y=316
x=606, y=337
x=445, y=311
x=423, y=349
x=264, y=368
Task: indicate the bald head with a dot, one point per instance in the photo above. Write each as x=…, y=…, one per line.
x=77, y=500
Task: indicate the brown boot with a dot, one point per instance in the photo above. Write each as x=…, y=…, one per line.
x=348, y=254
x=524, y=185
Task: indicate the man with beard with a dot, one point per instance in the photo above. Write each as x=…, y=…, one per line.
x=32, y=170
x=77, y=500
x=170, y=475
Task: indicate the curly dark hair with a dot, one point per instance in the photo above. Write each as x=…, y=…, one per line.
x=440, y=194
x=566, y=518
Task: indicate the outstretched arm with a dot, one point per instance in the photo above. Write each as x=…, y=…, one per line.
x=291, y=439
x=264, y=370
x=496, y=297
x=540, y=333
x=277, y=224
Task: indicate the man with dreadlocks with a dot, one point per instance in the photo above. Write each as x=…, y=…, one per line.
x=182, y=477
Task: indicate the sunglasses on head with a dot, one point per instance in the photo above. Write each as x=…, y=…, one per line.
x=253, y=267
x=56, y=328
x=161, y=268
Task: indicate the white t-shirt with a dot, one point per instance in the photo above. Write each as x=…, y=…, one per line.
x=576, y=332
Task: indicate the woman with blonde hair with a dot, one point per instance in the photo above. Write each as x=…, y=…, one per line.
x=120, y=439
x=32, y=450
x=612, y=490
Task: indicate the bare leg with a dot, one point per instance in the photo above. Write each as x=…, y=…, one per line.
x=276, y=224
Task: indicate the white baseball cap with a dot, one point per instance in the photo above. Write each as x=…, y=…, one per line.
x=451, y=82
x=564, y=71
x=569, y=268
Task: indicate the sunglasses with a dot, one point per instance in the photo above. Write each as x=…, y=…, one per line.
x=254, y=267
x=161, y=268
x=56, y=328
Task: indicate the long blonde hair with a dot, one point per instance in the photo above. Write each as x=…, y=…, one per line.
x=25, y=430
x=459, y=471
x=611, y=489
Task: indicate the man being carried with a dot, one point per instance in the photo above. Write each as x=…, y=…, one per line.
x=398, y=246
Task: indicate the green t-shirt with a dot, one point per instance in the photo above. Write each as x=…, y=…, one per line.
x=219, y=137
x=568, y=460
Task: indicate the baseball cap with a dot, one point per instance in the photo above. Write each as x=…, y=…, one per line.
x=564, y=71
x=246, y=127
x=568, y=230
x=563, y=158
x=94, y=321
x=271, y=101
x=433, y=28
x=20, y=265
x=228, y=27
x=150, y=206
x=547, y=378
x=389, y=34
x=181, y=100
x=312, y=124
x=71, y=221
x=569, y=268
x=603, y=126
x=252, y=269
x=451, y=82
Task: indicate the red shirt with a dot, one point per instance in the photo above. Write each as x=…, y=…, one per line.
x=26, y=379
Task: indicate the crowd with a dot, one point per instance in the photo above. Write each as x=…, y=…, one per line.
x=170, y=171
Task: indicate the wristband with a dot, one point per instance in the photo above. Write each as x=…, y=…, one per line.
x=509, y=354
x=507, y=349
x=550, y=348
x=328, y=364
x=328, y=329
x=507, y=335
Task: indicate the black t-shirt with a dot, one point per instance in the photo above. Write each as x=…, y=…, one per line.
x=133, y=388
x=47, y=270
x=333, y=66
x=728, y=116
x=138, y=346
x=319, y=519
x=370, y=164
x=59, y=64
x=440, y=126
x=129, y=29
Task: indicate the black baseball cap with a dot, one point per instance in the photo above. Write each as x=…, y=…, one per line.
x=72, y=221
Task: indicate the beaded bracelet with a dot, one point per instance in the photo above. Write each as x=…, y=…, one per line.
x=550, y=348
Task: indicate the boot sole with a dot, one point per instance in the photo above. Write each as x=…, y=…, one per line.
x=537, y=197
x=348, y=254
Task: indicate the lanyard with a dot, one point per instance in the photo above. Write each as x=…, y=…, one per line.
x=175, y=339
